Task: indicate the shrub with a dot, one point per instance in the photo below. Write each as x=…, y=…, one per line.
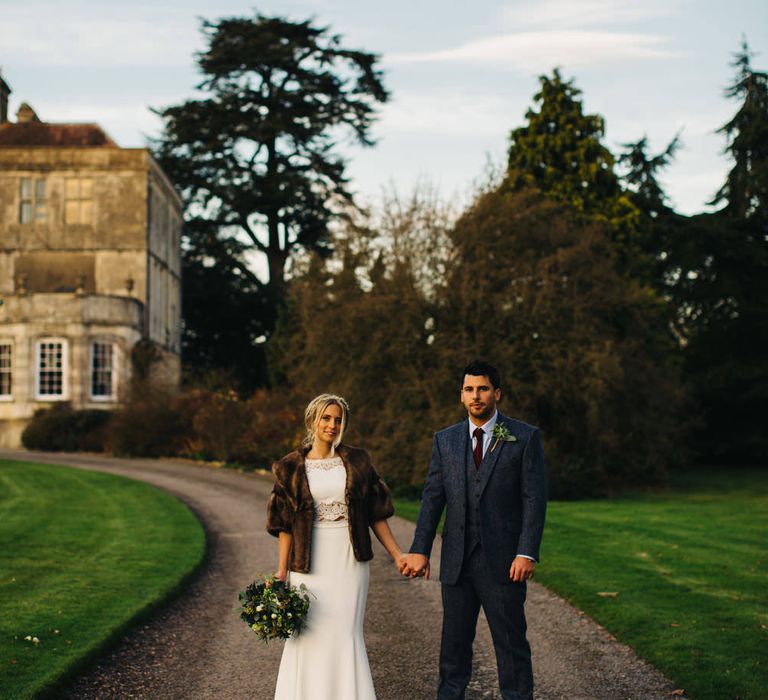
x=197, y=423
x=62, y=429
x=275, y=427
x=220, y=424
x=151, y=424
x=250, y=432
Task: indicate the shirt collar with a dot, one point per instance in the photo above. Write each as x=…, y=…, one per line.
x=487, y=427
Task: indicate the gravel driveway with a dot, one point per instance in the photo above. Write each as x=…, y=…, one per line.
x=197, y=647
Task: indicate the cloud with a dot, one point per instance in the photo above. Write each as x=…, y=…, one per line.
x=571, y=33
x=539, y=50
x=571, y=14
x=115, y=36
x=444, y=114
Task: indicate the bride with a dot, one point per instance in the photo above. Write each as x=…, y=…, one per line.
x=325, y=497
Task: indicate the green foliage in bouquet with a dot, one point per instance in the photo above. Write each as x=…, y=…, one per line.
x=274, y=609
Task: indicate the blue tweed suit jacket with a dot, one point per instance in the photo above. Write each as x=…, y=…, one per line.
x=513, y=498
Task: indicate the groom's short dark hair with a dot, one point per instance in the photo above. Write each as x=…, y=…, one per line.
x=480, y=368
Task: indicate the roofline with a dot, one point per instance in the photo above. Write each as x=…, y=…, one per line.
x=92, y=125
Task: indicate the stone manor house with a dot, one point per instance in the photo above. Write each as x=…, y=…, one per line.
x=90, y=265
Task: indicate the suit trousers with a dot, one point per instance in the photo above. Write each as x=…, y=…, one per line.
x=503, y=604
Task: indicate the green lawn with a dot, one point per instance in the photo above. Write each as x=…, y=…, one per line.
x=687, y=574
x=81, y=555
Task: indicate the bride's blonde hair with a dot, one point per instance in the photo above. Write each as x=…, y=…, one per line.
x=314, y=412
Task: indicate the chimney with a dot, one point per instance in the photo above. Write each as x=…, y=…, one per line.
x=4, y=92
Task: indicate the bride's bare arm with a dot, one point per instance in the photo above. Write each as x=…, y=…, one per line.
x=285, y=541
x=384, y=535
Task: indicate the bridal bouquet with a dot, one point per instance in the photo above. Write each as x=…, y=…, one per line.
x=274, y=609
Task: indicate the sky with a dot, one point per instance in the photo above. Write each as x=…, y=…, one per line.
x=461, y=75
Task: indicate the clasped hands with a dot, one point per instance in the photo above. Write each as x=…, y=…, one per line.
x=417, y=565
x=413, y=565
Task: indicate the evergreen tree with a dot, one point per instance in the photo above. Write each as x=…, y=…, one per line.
x=725, y=325
x=722, y=288
x=642, y=174
x=255, y=158
x=560, y=152
x=745, y=191
x=659, y=229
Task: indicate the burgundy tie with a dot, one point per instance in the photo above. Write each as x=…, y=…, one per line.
x=478, y=452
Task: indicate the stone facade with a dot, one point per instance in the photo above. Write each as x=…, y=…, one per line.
x=90, y=265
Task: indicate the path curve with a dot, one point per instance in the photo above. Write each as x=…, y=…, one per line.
x=197, y=648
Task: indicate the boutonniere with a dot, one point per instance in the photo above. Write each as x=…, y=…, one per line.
x=500, y=432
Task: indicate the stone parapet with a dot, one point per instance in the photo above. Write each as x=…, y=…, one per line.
x=56, y=309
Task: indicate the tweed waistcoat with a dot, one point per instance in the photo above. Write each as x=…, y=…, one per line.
x=472, y=537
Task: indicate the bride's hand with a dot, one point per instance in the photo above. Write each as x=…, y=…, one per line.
x=402, y=565
x=281, y=574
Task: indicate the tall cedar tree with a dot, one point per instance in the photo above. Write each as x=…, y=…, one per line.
x=229, y=351
x=255, y=158
x=560, y=152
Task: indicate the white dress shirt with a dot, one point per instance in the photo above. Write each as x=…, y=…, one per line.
x=487, y=427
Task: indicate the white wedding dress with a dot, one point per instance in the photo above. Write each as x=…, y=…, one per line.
x=328, y=660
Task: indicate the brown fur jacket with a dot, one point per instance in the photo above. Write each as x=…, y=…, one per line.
x=291, y=507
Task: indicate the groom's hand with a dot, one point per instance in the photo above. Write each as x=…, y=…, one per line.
x=522, y=569
x=416, y=565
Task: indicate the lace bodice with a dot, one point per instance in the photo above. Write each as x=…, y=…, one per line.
x=324, y=464
x=327, y=482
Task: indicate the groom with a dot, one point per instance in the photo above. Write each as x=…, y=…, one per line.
x=488, y=473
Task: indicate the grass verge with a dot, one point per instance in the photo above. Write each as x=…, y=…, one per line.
x=82, y=555
x=681, y=576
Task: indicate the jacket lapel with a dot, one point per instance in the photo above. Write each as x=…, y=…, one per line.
x=343, y=452
x=305, y=500
x=457, y=459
